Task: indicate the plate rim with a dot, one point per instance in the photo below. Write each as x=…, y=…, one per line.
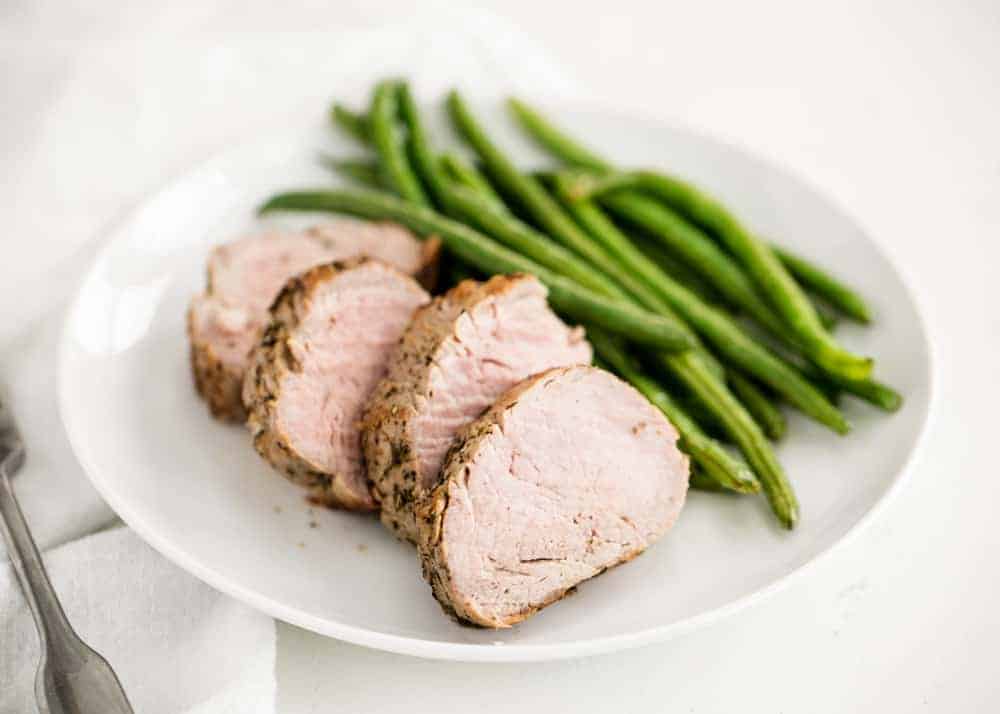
x=467, y=652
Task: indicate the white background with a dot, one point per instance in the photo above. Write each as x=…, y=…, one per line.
x=891, y=108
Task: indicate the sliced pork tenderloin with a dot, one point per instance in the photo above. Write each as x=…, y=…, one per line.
x=331, y=332
x=244, y=276
x=568, y=474
x=458, y=355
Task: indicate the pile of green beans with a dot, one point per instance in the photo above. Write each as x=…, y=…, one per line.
x=666, y=308
x=683, y=240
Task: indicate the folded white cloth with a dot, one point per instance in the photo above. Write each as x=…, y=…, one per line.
x=176, y=644
x=117, y=108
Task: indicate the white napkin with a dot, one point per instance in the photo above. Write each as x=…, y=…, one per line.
x=176, y=644
x=139, y=100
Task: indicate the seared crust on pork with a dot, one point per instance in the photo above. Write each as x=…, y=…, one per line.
x=219, y=384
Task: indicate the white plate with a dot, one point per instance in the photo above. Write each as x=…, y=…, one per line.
x=196, y=491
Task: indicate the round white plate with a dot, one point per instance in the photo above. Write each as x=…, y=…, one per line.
x=197, y=492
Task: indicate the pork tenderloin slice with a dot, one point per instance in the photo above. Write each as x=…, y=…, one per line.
x=326, y=347
x=244, y=276
x=458, y=355
x=568, y=474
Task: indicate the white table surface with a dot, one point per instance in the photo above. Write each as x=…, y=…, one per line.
x=893, y=109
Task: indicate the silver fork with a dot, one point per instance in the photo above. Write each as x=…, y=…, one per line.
x=72, y=678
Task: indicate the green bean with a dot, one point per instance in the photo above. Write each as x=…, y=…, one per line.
x=704, y=416
x=361, y=171
x=678, y=270
x=462, y=172
x=353, y=123
x=473, y=208
x=742, y=428
x=880, y=395
x=767, y=414
x=827, y=317
x=717, y=463
x=393, y=162
x=726, y=336
x=814, y=278
x=767, y=272
x=483, y=253
x=554, y=140
x=526, y=189
x=869, y=390
x=424, y=160
x=699, y=480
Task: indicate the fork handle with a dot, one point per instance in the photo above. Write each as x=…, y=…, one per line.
x=53, y=627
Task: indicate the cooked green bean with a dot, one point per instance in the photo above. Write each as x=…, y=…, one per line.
x=875, y=393
x=880, y=395
x=361, y=171
x=704, y=417
x=553, y=139
x=814, y=278
x=717, y=463
x=394, y=164
x=473, y=208
x=485, y=254
x=741, y=427
x=827, y=317
x=462, y=172
x=527, y=190
x=699, y=480
x=767, y=414
x=767, y=272
x=353, y=123
x=424, y=160
x=677, y=269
